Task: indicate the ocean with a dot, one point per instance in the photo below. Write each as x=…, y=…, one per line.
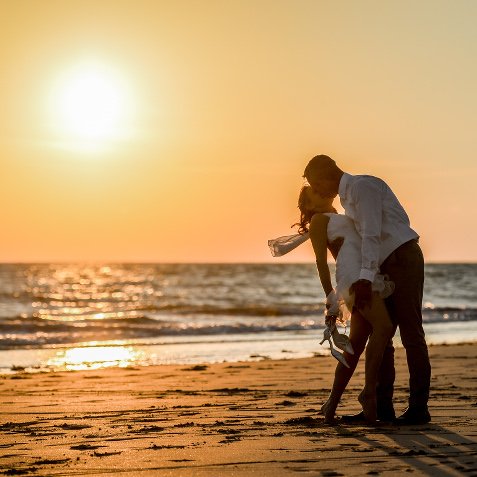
x=88, y=316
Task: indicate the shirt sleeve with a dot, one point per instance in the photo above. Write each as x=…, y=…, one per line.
x=367, y=195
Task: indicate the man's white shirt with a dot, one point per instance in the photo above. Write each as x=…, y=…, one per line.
x=379, y=218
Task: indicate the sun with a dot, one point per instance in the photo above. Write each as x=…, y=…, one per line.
x=91, y=106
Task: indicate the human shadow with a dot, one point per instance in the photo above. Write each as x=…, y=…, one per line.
x=430, y=449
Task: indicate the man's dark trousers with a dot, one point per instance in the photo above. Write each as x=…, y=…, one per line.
x=405, y=267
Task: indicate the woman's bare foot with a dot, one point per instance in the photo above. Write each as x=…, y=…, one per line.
x=330, y=419
x=329, y=412
x=325, y=407
x=368, y=402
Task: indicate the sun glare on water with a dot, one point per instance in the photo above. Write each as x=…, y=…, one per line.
x=91, y=107
x=95, y=357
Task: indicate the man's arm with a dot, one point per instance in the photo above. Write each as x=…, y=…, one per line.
x=367, y=196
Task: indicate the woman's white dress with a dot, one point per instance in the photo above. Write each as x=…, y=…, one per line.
x=348, y=260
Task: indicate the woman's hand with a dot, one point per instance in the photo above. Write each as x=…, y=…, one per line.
x=332, y=305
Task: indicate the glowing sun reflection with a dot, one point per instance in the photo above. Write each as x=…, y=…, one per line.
x=95, y=357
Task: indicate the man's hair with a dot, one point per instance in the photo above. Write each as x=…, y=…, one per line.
x=321, y=164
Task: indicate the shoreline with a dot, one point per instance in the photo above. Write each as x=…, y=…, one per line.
x=245, y=418
x=198, y=349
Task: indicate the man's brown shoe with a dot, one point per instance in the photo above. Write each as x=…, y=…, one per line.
x=413, y=416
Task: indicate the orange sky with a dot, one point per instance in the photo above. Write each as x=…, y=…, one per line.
x=221, y=104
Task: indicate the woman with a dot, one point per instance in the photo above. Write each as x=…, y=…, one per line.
x=336, y=232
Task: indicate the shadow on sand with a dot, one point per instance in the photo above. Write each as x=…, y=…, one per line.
x=431, y=449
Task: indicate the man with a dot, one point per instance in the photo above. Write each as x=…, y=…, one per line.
x=390, y=247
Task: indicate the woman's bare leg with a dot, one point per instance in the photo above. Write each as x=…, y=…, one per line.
x=377, y=316
x=360, y=329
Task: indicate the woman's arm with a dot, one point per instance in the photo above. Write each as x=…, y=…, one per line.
x=319, y=239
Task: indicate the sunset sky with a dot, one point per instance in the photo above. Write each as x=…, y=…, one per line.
x=178, y=131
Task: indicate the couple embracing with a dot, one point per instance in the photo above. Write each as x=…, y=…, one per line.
x=379, y=280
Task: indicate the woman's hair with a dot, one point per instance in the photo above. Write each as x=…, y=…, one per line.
x=305, y=212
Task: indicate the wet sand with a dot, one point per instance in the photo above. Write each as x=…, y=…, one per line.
x=237, y=419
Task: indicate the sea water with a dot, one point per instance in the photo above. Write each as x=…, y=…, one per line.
x=81, y=316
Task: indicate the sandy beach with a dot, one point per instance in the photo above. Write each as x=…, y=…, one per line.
x=240, y=419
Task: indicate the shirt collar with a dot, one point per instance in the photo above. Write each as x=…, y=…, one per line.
x=344, y=182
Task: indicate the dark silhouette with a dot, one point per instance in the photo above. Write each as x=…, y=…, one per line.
x=390, y=247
